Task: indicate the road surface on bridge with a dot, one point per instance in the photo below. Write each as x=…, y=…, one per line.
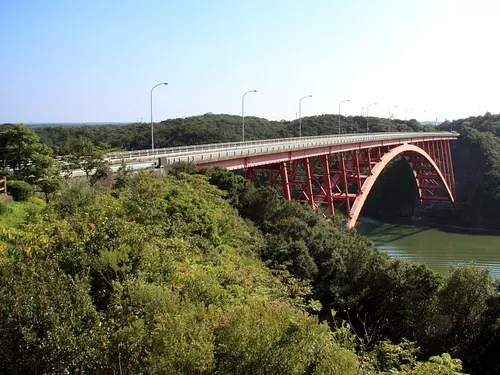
x=216, y=153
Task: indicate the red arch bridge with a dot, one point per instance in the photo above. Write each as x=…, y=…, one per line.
x=327, y=172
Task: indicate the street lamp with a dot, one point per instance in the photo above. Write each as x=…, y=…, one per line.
x=151, y=101
x=406, y=112
x=390, y=109
x=347, y=100
x=243, y=113
x=300, y=113
x=367, y=117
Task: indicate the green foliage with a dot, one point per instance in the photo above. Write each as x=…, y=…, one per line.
x=27, y=158
x=268, y=338
x=462, y=303
x=156, y=279
x=50, y=186
x=5, y=209
x=400, y=359
x=16, y=213
x=123, y=177
x=76, y=194
x=156, y=330
x=89, y=157
x=214, y=128
x=378, y=296
x=20, y=190
x=47, y=321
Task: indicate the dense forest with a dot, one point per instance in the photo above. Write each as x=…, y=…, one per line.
x=213, y=128
x=166, y=275
x=200, y=272
x=476, y=159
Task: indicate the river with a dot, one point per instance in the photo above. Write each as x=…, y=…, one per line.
x=438, y=248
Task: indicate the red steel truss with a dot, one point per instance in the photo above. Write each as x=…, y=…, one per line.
x=343, y=179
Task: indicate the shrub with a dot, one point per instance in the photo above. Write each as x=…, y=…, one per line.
x=20, y=190
x=5, y=209
x=75, y=195
x=37, y=201
x=48, y=322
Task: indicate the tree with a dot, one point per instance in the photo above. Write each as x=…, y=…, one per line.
x=22, y=153
x=89, y=158
x=50, y=185
x=463, y=302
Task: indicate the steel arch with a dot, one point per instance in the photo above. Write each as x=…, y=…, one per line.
x=405, y=150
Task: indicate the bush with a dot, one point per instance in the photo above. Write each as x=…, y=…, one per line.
x=37, y=201
x=48, y=322
x=5, y=209
x=20, y=190
x=73, y=196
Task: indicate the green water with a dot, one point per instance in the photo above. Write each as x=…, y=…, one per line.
x=438, y=248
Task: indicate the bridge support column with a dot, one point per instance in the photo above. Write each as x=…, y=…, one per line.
x=328, y=183
x=285, y=182
x=346, y=177
x=346, y=186
x=309, y=188
x=358, y=173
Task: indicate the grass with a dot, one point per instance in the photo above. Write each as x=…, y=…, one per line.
x=14, y=214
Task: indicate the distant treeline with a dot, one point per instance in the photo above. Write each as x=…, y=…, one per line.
x=215, y=128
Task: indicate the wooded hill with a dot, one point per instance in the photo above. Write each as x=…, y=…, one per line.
x=212, y=128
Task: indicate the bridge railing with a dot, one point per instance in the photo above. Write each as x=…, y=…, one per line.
x=204, y=147
x=281, y=143
x=221, y=154
x=3, y=185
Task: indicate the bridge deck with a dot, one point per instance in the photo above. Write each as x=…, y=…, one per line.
x=236, y=155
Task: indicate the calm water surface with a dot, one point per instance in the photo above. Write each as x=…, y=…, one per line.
x=438, y=248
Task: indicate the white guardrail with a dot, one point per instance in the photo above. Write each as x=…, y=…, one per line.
x=220, y=151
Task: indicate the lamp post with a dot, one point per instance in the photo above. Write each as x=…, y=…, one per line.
x=390, y=109
x=243, y=113
x=347, y=100
x=406, y=112
x=436, y=119
x=367, y=117
x=151, y=101
x=300, y=113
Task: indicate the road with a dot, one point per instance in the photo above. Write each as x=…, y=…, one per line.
x=201, y=154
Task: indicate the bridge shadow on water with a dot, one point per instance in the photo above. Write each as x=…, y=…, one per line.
x=386, y=233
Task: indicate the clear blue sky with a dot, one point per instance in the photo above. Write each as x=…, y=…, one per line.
x=96, y=60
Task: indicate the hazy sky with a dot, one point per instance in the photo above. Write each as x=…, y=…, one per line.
x=96, y=60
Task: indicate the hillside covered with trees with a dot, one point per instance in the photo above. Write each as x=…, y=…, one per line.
x=202, y=273
x=165, y=275
x=476, y=159
x=215, y=128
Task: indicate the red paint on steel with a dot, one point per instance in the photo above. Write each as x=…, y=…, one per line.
x=309, y=188
x=335, y=176
x=370, y=181
x=328, y=184
x=286, y=183
x=242, y=162
x=346, y=186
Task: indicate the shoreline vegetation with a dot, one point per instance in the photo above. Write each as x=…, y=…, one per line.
x=201, y=272
x=161, y=275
